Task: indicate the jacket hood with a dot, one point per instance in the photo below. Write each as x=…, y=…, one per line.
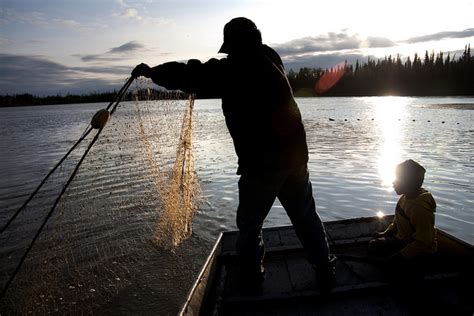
x=425, y=200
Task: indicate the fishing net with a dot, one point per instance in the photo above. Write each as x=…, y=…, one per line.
x=122, y=218
x=176, y=185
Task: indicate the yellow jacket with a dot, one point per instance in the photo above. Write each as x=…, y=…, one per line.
x=414, y=223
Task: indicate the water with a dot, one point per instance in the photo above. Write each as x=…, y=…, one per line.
x=352, y=157
x=354, y=144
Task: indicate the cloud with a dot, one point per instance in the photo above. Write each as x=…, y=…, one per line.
x=98, y=57
x=324, y=60
x=130, y=13
x=8, y=16
x=4, y=41
x=378, y=42
x=71, y=24
x=121, y=52
x=441, y=35
x=36, y=41
x=114, y=70
x=41, y=76
x=160, y=21
x=127, y=47
x=329, y=49
x=332, y=41
x=122, y=3
x=39, y=19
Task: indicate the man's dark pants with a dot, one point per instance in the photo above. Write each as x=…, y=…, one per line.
x=257, y=192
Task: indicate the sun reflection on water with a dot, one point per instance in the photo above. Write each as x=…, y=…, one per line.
x=389, y=112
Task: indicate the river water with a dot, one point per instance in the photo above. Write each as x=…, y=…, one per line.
x=354, y=145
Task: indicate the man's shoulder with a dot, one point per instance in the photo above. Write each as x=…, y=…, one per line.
x=401, y=200
x=210, y=62
x=272, y=54
x=213, y=66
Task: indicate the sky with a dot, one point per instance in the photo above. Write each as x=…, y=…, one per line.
x=64, y=46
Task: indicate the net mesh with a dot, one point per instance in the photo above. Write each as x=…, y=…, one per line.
x=131, y=203
x=177, y=185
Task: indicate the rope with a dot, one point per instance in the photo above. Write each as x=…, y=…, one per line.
x=73, y=174
x=120, y=94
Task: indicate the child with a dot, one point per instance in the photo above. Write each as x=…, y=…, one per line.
x=412, y=233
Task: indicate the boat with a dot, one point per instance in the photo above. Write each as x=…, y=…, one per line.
x=363, y=284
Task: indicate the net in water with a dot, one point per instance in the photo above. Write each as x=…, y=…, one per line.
x=133, y=199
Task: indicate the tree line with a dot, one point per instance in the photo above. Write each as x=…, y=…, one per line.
x=29, y=99
x=96, y=97
x=434, y=74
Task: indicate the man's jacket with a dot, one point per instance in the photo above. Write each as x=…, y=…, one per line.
x=260, y=112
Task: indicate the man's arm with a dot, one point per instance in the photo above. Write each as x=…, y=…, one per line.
x=193, y=77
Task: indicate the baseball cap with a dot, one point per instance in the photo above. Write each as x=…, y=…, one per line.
x=240, y=31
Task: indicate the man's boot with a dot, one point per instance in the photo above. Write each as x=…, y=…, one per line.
x=326, y=275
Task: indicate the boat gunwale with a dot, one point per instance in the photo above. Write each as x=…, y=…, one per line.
x=209, y=260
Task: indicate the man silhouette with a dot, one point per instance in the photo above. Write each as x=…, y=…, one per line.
x=269, y=139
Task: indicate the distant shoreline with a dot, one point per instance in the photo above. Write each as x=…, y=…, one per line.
x=43, y=101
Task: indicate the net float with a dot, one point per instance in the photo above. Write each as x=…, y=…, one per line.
x=100, y=119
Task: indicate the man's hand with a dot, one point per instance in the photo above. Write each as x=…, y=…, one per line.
x=142, y=70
